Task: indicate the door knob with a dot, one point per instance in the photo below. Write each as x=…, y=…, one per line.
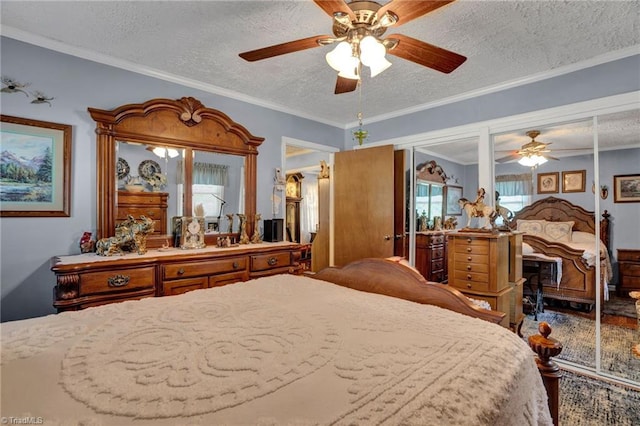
x=387, y=237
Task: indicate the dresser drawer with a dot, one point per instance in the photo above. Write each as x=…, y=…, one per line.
x=629, y=255
x=436, y=239
x=117, y=280
x=464, y=258
x=470, y=281
x=224, y=279
x=150, y=212
x=263, y=262
x=472, y=267
x=437, y=265
x=472, y=248
x=437, y=253
x=630, y=269
x=175, y=287
x=205, y=267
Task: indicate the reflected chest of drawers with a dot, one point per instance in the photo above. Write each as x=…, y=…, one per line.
x=628, y=271
x=479, y=268
x=431, y=255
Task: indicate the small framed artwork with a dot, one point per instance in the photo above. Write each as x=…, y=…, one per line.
x=452, y=195
x=36, y=168
x=626, y=188
x=574, y=181
x=548, y=183
x=212, y=226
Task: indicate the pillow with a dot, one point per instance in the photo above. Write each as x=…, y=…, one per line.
x=558, y=231
x=527, y=249
x=583, y=237
x=533, y=227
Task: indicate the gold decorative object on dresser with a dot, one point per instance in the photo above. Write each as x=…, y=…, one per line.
x=431, y=255
x=149, y=204
x=87, y=280
x=479, y=268
x=628, y=271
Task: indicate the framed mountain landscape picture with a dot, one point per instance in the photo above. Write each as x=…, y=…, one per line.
x=35, y=168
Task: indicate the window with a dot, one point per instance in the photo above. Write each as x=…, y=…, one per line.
x=514, y=192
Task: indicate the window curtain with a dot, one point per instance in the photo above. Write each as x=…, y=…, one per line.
x=206, y=174
x=512, y=185
x=309, y=208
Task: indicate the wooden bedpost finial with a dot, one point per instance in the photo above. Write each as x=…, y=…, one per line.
x=546, y=348
x=543, y=345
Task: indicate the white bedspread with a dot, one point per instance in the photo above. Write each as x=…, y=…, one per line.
x=280, y=350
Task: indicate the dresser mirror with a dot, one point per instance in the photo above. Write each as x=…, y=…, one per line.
x=429, y=203
x=201, y=156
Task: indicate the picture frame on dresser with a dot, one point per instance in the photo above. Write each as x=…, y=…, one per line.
x=452, y=194
x=40, y=185
x=626, y=188
x=548, y=183
x=574, y=181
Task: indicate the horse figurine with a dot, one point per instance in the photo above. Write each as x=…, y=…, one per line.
x=478, y=209
x=131, y=235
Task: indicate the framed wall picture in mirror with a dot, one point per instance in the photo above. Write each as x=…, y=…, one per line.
x=548, y=183
x=573, y=181
x=452, y=194
x=626, y=188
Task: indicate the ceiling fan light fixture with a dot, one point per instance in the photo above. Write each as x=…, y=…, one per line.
x=379, y=66
x=532, y=160
x=351, y=69
x=340, y=56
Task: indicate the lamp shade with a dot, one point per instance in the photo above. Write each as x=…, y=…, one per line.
x=338, y=57
x=351, y=69
x=532, y=160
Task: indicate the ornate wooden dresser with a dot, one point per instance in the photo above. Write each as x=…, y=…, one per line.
x=87, y=280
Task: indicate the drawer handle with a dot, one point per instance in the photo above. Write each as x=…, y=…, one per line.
x=180, y=271
x=469, y=240
x=468, y=267
x=469, y=258
x=272, y=261
x=468, y=276
x=468, y=249
x=469, y=285
x=235, y=265
x=118, y=281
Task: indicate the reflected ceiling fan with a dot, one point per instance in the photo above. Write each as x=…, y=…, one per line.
x=358, y=27
x=531, y=154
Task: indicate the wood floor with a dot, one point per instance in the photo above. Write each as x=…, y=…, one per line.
x=618, y=320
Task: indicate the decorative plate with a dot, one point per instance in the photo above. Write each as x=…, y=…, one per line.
x=122, y=168
x=148, y=168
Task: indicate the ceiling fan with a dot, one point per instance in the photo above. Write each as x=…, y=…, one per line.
x=530, y=154
x=358, y=27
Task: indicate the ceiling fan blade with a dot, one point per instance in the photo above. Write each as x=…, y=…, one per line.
x=426, y=54
x=344, y=85
x=548, y=157
x=408, y=10
x=284, y=48
x=330, y=7
x=511, y=157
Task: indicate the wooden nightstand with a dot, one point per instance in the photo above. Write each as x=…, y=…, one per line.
x=628, y=271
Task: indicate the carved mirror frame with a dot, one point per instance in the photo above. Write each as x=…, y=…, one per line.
x=182, y=124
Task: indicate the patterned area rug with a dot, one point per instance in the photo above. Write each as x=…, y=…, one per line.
x=578, y=338
x=587, y=401
x=623, y=306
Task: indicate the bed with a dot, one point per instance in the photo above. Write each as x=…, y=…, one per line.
x=557, y=230
x=279, y=350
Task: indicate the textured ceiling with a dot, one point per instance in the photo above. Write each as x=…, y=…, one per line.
x=505, y=41
x=197, y=43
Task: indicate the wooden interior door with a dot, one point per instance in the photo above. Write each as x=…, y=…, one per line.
x=363, y=204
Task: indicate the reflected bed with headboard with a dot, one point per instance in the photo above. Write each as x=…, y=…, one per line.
x=555, y=229
x=279, y=350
